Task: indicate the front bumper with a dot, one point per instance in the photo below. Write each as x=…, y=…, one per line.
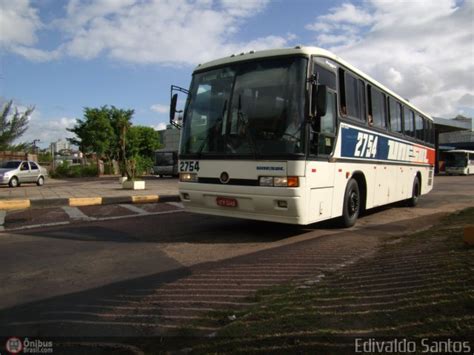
x=253, y=202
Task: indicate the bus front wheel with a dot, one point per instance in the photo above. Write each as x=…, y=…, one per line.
x=413, y=200
x=351, y=206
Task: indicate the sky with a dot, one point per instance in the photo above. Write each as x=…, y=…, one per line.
x=61, y=56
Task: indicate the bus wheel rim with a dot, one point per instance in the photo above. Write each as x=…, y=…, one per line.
x=353, y=203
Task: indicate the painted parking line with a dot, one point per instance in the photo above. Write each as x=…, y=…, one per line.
x=75, y=213
x=175, y=204
x=133, y=208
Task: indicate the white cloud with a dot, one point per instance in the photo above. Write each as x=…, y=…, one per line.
x=36, y=54
x=18, y=23
x=166, y=32
x=160, y=108
x=348, y=13
x=423, y=50
x=46, y=130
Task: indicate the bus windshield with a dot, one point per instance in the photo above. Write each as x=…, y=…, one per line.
x=247, y=109
x=456, y=160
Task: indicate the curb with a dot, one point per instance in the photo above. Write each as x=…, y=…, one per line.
x=7, y=205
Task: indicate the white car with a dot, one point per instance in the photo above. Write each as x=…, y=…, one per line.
x=16, y=172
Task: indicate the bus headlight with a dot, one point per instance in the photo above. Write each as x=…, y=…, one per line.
x=279, y=181
x=266, y=181
x=188, y=177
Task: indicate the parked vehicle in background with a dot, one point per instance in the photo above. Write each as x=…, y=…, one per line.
x=16, y=172
x=166, y=163
x=460, y=162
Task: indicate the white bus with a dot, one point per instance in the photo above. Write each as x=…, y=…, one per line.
x=460, y=162
x=298, y=136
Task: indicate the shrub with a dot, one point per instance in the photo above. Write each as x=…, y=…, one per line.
x=143, y=165
x=74, y=171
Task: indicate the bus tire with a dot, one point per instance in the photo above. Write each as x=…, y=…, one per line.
x=413, y=200
x=351, y=206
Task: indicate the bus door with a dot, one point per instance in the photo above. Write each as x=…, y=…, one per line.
x=319, y=172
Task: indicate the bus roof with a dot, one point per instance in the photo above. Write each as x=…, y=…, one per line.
x=306, y=51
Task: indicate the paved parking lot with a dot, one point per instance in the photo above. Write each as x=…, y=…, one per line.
x=124, y=272
x=87, y=187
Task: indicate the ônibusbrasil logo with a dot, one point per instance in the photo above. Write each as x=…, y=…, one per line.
x=14, y=345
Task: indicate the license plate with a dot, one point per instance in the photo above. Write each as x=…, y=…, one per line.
x=226, y=202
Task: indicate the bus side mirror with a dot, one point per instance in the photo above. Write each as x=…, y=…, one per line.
x=318, y=100
x=174, y=100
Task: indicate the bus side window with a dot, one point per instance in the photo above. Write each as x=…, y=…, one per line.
x=395, y=111
x=376, y=107
x=354, y=97
x=425, y=130
x=418, y=127
x=325, y=76
x=324, y=129
x=408, y=124
x=431, y=133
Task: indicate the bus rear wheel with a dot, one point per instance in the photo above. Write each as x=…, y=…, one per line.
x=351, y=206
x=413, y=200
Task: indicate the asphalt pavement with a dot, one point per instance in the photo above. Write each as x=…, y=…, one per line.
x=150, y=273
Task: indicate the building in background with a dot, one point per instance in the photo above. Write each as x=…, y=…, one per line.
x=62, y=151
x=459, y=139
x=455, y=133
x=59, y=145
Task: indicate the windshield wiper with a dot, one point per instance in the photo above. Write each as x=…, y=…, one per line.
x=208, y=135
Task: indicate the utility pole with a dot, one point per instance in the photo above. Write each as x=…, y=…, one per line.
x=35, y=147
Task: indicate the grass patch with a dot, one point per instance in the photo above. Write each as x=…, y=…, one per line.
x=420, y=285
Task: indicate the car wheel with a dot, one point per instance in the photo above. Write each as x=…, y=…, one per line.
x=40, y=181
x=413, y=200
x=13, y=182
x=351, y=206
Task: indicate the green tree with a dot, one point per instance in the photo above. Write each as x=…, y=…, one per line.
x=147, y=140
x=94, y=133
x=81, y=139
x=142, y=143
x=121, y=121
x=12, y=124
x=108, y=132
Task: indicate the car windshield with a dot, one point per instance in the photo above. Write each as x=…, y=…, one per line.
x=249, y=109
x=456, y=160
x=10, y=165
